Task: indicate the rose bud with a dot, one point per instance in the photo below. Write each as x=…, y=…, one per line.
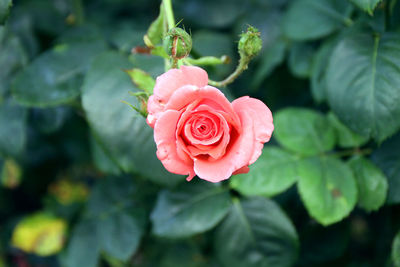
x=177, y=43
x=250, y=43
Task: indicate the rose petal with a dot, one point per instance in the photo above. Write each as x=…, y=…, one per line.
x=244, y=169
x=211, y=121
x=154, y=108
x=237, y=155
x=215, y=147
x=187, y=94
x=261, y=117
x=169, y=82
x=164, y=136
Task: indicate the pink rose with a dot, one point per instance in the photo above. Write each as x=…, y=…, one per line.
x=199, y=132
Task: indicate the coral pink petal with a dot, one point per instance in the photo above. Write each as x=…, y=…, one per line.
x=237, y=156
x=244, y=169
x=164, y=136
x=153, y=108
x=169, y=82
x=211, y=127
x=187, y=94
x=261, y=117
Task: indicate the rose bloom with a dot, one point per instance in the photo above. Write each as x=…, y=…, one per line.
x=199, y=132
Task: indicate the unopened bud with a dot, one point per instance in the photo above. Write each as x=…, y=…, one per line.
x=250, y=43
x=177, y=43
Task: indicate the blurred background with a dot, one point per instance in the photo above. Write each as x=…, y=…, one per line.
x=80, y=184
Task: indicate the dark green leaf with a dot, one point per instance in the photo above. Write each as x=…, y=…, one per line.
x=119, y=220
x=346, y=137
x=273, y=172
x=125, y=36
x=207, y=43
x=300, y=59
x=84, y=247
x=48, y=16
x=183, y=255
x=5, y=6
x=190, y=209
x=387, y=157
x=49, y=120
x=396, y=250
x=270, y=59
x=101, y=160
x=318, y=70
x=56, y=76
x=366, y=5
x=304, y=131
x=120, y=234
x=371, y=183
x=194, y=12
x=310, y=19
x=12, y=57
x=256, y=233
x=12, y=129
x=327, y=188
x=362, y=82
x=122, y=133
x=111, y=195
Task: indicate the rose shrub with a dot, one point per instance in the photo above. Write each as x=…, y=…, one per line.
x=199, y=132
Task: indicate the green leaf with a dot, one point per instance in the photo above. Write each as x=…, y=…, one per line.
x=190, y=209
x=396, y=250
x=119, y=192
x=123, y=135
x=303, y=131
x=156, y=29
x=318, y=70
x=119, y=219
x=310, y=19
x=5, y=6
x=12, y=57
x=346, y=137
x=125, y=36
x=101, y=160
x=84, y=247
x=142, y=80
x=208, y=43
x=12, y=129
x=366, y=5
x=387, y=158
x=270, y=59
x=55, y=77
x=300, y=59
x=194, y=12
x=182, y=254
x=49, y=120
x=273, y=173
x=120, y=234
x=371, y=183
x=362, y=82
x=327, y=188
x=256, y=233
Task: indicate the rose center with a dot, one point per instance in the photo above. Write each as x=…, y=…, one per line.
x=202, y=128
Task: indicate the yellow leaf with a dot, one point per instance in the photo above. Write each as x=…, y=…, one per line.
x=40, y=233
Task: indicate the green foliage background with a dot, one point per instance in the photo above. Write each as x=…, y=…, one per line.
x=325, y=192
